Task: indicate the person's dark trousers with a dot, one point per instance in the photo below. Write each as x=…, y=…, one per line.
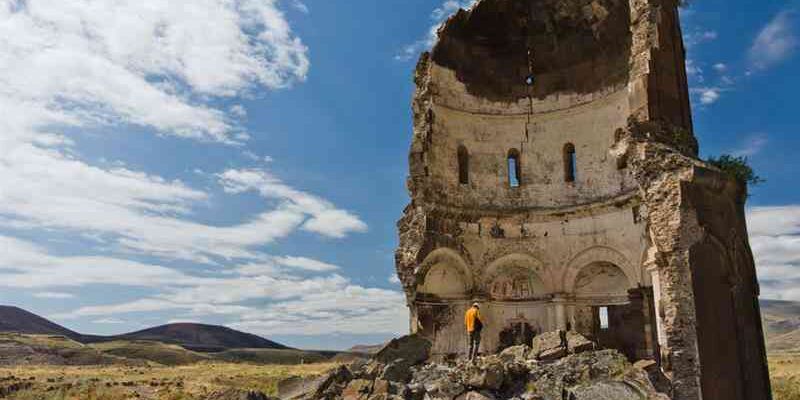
x=474, y=343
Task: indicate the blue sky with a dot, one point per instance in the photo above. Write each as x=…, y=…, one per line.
x=244, y=163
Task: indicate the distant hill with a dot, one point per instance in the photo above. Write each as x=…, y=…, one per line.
x=781, y=325
x=366, y=348
x=195, y=337
x=200, y=337
x=14, y=319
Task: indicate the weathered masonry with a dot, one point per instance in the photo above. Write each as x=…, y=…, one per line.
x=554, y=177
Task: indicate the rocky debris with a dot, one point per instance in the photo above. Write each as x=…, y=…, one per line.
x=548, y=346
x=235, y=394
x=518, y=373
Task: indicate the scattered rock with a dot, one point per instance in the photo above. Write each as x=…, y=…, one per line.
x=546, y=371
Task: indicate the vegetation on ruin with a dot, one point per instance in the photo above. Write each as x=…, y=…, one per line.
x=737, y=167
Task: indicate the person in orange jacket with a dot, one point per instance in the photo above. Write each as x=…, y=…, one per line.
x=472, y=319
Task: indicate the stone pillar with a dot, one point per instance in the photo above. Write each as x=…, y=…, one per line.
x=561, y=312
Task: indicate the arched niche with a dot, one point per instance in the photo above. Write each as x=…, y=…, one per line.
x=516, y=277
x=444, y=274
x=603, y=256
x=601, y=279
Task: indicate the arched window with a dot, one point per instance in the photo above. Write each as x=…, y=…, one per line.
x=570, y=163
x=514, y=168
x=463, y=165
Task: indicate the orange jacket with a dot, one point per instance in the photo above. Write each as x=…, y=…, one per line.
x=472, y=315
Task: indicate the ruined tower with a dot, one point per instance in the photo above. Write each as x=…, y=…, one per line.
x=554, y=178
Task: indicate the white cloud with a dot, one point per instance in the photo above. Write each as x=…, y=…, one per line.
x=693, y=70
x=720, y=67
x=775, y=42
x=708, y=95
x=53, y=295
x=291, y=302
x=165, y=67
x=153, y=64
x=109, y=321
x=300, y=6
x=752, y=146
x=439, y=16
x=699, y=36
x=775, y=240
x=394, y=279
x=324, y=218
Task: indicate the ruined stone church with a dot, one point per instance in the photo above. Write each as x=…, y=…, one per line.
x=555, y=178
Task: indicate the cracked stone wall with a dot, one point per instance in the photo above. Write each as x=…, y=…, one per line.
x=643, y=234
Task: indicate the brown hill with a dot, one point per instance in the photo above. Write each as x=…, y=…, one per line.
x=14, y=319
x=196, y=337
x=200, y=337
x=781, y=325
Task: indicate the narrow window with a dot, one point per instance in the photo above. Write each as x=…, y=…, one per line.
x=603, y=314
x=463, y=165
x=513, y=168
x=570, y=162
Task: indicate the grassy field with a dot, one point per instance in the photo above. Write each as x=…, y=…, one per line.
x=149, y=370
x=192, y=382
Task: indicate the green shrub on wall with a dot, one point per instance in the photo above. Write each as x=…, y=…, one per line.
x=736, y=167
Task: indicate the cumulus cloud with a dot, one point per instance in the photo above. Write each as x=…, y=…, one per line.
x=775, y=240
x=775, y=42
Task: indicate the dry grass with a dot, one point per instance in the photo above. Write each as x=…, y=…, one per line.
x=784, y=370
x=158, y=383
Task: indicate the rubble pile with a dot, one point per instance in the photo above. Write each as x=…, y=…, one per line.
x=544, y=371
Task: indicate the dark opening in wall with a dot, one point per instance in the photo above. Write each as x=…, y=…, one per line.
x=514, y=169
x=463, y=165
x=570, y=163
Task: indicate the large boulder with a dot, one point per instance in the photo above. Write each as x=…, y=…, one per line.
x=413, y=349
x=549, y=346
x=327, y=386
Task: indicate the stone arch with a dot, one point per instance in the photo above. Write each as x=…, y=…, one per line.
x=598, y=255
x=444, y=274
x=521, y=275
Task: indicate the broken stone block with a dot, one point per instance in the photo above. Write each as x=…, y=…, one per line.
x=515, y=354
x=357, y=389
x=397, y=371
x=486, y=375
x=552, y=354
x=414, y=349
